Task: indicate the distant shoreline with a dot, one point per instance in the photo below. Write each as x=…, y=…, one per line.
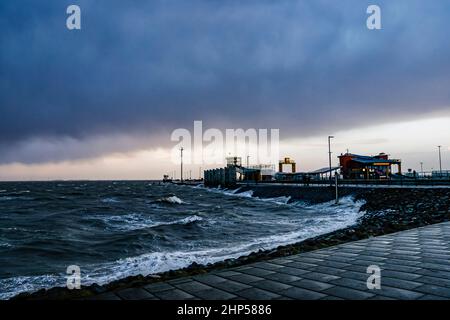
x=387, y=210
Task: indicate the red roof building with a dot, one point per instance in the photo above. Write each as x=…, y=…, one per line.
x=355, y=166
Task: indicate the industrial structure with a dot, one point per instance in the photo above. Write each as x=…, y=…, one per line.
x=355, y=166
x=287, y=161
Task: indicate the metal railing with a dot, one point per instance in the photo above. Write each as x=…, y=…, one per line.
x=356, y=182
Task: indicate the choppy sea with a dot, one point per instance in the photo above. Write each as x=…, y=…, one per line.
x=112, y=230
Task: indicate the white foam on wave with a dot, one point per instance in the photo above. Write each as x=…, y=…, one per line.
x=110, y=200
x=171, y=199
x=13, y=286
x=277, y=200
x=5, y=245
x=138, y=221
x=249, y=194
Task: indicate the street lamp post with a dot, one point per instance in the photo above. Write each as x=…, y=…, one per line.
x=421, y=168
x=329, y=154
x=440, y=161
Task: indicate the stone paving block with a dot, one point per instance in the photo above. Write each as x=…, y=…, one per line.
x=282, y=261
x=348, y=250
x=434, y=273
x=344, y=254
x=354, y=246
x=301, y=265
x=215, y=294
x=361, y=265
x=340, y=259
x=302, y=294
x=355, y=275
x=173, y=294
x=375, y=247
x=271, y=285
x=333, y=264
x=267, y=266
x=331, y=298
x=227, y=273
x=399, y=283
x=329, y=270
x=398, y=267
x=371, y=259
x=293, y=271
x=400, y=275
x=378, y=297
x=434, y=290
x=232, y=286
x=435, y=266
x=105, y=296
x=257, y=294
x=375, y=253
x=435, y=261
x=245, y=278
x=315, y=254
x=322, y=277
x=431, y=297
x=257, y=272
x=405, y=252
x=312, y=285
x=239, y=269
x=426, y=255
x=398, y=293
x=192, y=286
x=283, y=298
x=358, y=284
x=347, y=293
x=309, y=260
x=402, y=257
x=158, y=286
x=282, y=277
x=436, y=281
x=411, y=263
x=134, y=294
x=361, y=268
x=179, y=280
x=434, y=251
x=209, y=279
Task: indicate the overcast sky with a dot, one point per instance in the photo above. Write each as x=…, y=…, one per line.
x=139, y=69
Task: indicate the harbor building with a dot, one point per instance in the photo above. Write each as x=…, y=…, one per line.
x=355, y=166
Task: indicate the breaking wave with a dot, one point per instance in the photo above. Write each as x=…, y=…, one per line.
x=137, y=221
x=171, y=199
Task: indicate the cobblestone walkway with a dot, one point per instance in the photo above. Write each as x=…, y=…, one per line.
x=415, y=264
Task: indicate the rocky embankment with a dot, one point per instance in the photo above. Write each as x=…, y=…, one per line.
x=387, y=210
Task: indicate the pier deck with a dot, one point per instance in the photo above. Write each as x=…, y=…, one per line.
x=415, y=264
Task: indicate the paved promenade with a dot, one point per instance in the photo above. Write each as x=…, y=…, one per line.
x=415, y=264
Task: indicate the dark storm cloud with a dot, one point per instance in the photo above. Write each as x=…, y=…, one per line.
x=147, y=67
